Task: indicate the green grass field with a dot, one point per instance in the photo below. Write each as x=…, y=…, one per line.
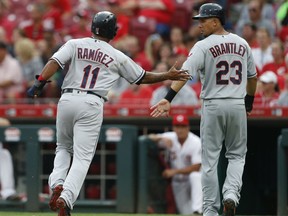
x=74, y=214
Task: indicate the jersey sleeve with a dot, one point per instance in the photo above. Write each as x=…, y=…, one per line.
x=130, y=71
x=64, y=54
x=251, y=68
x=194, y=61
x=170, y=134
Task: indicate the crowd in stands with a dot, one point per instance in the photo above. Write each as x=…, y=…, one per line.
x=154, y=33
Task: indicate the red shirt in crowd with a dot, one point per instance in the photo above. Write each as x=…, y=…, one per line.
x=279, y=69
x=9, y=26
x=262, y=101
x=141, y=96
x=52, y=19
x=161, y=16
x=32, y=31
x=143, y=61
x=123, y=26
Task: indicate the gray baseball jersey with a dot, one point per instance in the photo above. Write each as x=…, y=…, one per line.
x=95, y=65
x=223, y=62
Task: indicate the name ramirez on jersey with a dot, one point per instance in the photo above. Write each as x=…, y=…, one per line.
x=227, y=48
x=94, y=55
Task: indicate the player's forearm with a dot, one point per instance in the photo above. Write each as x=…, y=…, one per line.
x=189, y=169
x=251, y=86
x=177, y=85
x=50, y=69
x=152, y=77
x=154, y=137
x=174, y=89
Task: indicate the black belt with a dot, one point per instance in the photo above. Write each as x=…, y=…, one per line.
x=70, y=90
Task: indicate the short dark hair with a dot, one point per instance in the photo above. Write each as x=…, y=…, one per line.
x=252, y=26
x=3, y=45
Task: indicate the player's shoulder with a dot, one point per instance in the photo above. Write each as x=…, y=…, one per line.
x=79, y=40
x=169, y=134
x=194, y=136
x=237, y=38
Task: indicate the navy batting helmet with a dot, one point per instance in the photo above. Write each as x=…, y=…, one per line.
x=211, y=10
x=104, y=24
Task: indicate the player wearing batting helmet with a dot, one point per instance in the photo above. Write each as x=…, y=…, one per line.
x=228, y=76
x=94, y=66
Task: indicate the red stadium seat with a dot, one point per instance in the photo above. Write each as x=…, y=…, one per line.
x=142, y=27
x=182, y=14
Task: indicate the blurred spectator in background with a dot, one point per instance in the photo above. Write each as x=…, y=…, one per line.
x=29, y=59
x=64, y=7
x=267, y=9
x=189, y=41
x=177, y=42
x=179, y=50
x=185, y=97
x=52, y=17
x=3, y=38
x=47, y=47
x=152, y=47
x=184, y=149
x=136, y=94
x=159, y=10
x=7, y=182
x=255, y=8
x=278, y=65
x=131, y=47
x=262, y=54
x=268, y=92
x=160, y=66
x=283, y=97
x=249, y=34
x=165, y=53
x=123, y=21
x=81, y=27
x=194, y=30
x=33, y=28
x=11, y=78
x=114, y=94
x=6, y=21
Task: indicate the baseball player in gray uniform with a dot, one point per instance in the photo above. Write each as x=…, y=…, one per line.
x=228, y=76
x=94, y=66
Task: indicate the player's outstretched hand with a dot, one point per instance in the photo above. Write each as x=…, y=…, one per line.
x=181, y=75
x=162, y=108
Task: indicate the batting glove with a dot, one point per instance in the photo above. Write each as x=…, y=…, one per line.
x=249, y=102
x=37, y=88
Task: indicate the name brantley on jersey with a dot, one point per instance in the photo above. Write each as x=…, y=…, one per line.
x=94, y=55
x=227, y=48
